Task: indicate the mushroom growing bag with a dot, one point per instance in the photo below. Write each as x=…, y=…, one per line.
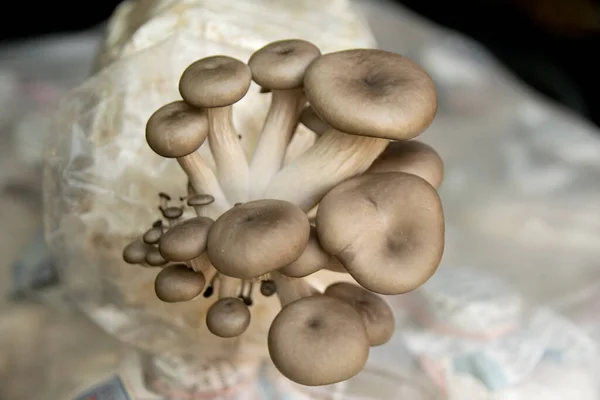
x=102, y=180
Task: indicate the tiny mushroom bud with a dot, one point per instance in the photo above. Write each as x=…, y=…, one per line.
x=313, y=259
x=200, y=200
x=394, y=240
x=186, y=240
x=375, y=312
x=154, y=258
x=268, y=288
x=318, y=340
x=216, y=83
x=257, y=237
x=312, y=121
x=135, y=252
x=177, y=282
x=280, y=67
x=367, y=97
x=228, y=317
x=177, y=130
x=411, y=157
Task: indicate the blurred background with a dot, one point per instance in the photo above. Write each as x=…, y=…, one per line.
x=550, y=44
x=518, y=128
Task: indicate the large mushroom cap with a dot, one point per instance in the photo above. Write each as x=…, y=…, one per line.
x=318, y=340
x=371, y=92
x=412, y=157
x=257, y=237
x=176, y=130
x=177, y=283
x=375, y=312
x=313, y=259
x=216, y=81
x=386, y=229
x=186, y=240
x=281, y=65
x=228, y=317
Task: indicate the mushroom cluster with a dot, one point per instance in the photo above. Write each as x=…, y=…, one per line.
x=362, y=200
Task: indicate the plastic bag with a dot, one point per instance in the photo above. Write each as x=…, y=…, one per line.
x=102, y=180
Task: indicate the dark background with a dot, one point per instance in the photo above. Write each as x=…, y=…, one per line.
x=550, y=44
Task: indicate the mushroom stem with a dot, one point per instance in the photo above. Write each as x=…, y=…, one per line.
x=334, y=157
x=203, y=181
x=228, y=286
x=230, y=159
x=202, y=264
x=277, y=131
x=291, y=289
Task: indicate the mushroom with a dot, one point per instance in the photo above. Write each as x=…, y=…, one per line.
x=268, y=288
x=177, y=282
x=135, y=252
x=412, y=157
x=313, y=259
x=186, y=240
x=216, y=83
x=172, y=213
x=387, y=229
x=228, y=317
x=152, y=235
x=291, y=289
x=199, y=201
x=177, y=130
x=377, y=315
x=318, y=340
x=367, y=97
x=312, y=121
x=154, y=258
x=257, y=237
x=279, y=67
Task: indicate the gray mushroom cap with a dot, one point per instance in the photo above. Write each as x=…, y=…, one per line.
x=186, y=240
x=376, y=313
x=177, y=282
x=318, y=340
x=228, y=317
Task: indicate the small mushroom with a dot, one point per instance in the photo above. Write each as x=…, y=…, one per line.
x=312, y=121
x=152, y=235
x=268, y=288
x=199, y=200
x=228, y=317
x=216, y=83
x=411, y=157
x=257, y=237
x=135, y=252
x=279, y=66
x=318, y=340
x=377, y=315
x=367, y=97
x=177, y=130
x=154, y=258
x=313, y=259
x=177, y=282
x=186, y=240
x=394, y=240
x=172, y=213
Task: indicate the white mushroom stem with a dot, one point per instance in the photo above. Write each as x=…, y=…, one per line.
x=276, y=134
x=228, y=286
x=203, y=264
x=335, y=157
x=230, y=159
x=203, y=181
x=291, y=289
